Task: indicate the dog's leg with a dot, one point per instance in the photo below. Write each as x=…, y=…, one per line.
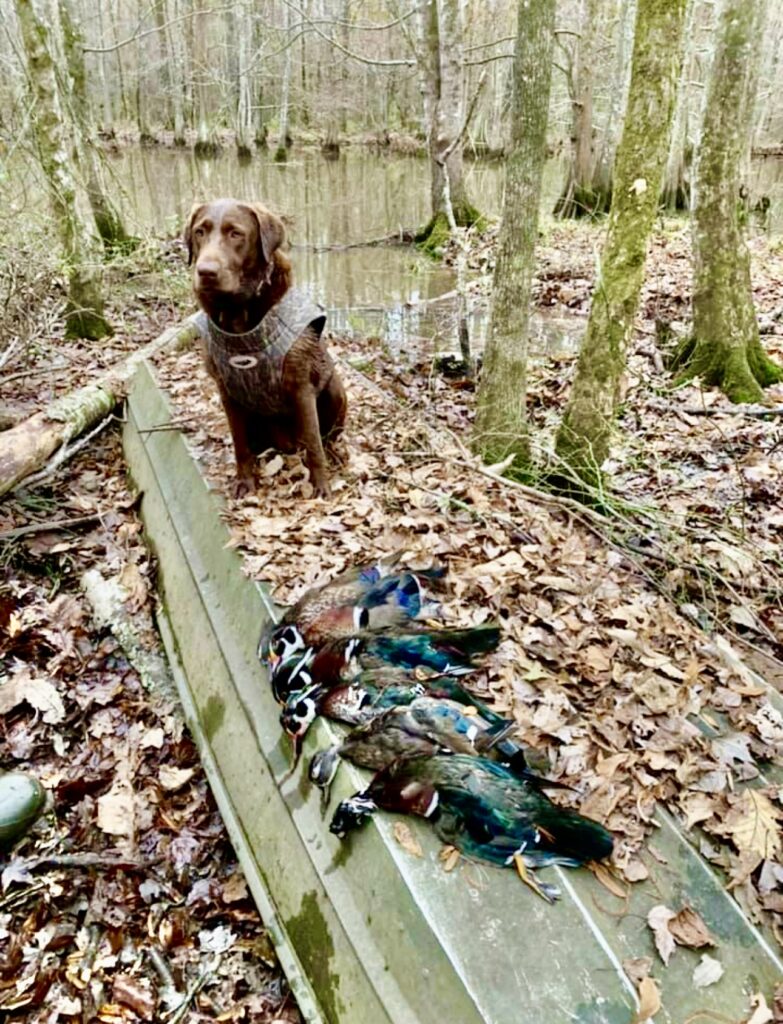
x=332, y=408
x=238, y=423
x=310, y=437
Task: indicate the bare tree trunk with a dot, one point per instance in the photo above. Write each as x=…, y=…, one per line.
x=181, y=78
x=602, y=179
x=244, y=30
x=108, y=107
x=85, y=302
x=725, y=349
x=584, y=435
x=500, y=428
x=107, y=219
x=442, y=23
x=167, y=80
x=283, y=142
x=119, y=64
x=676, y=193
x=578, y=198
x=259, y=121
x=207, y=144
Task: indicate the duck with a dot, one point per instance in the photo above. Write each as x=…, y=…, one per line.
x=367, y=597
x=369, y=694
x=439, y=652
x=484, y=810
x=359, y=702
x=426, y=726
x=341, y=661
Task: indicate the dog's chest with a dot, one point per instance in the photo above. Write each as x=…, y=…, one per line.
x=250, y=365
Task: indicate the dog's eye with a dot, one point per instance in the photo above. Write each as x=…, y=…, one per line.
x=199, y=233
x=236, y=234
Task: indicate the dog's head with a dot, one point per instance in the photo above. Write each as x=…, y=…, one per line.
x=232, y=246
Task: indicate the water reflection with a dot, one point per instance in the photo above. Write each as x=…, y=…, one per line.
x=390, y=291
x=384, y=290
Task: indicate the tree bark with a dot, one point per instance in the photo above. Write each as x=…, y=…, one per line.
x=500, y=428
x=26, y=447
x=283, y=141
x=244, y=97
x=676, y=193
x=107, y=219
x=579, y=197
x=725, y=349
x=602, y=177
x=84, y=314
x=585, y=432
x=442, y=33
x=182, y=89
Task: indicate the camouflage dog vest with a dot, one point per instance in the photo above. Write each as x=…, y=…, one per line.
x=250, y=365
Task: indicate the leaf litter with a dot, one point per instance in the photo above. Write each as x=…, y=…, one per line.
x=624, y=662
x=126, y=897
x=635, y=654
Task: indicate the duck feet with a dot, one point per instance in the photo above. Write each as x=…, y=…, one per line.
x=547, y=892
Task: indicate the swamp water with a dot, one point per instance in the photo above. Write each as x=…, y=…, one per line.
x=391, y=291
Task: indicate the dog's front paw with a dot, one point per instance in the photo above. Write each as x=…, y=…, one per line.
x=321, y=488
x=242, y=486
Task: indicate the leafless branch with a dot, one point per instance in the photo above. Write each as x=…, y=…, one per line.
x=395, y=62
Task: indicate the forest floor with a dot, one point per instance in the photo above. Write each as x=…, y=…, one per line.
x=636, y=640
x=125, y=902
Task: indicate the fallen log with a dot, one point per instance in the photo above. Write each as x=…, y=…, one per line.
x=25, y=448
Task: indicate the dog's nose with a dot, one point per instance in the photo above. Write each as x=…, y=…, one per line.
x=207, y=270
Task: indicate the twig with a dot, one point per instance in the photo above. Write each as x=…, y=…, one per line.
x=162, y=969
x=36, y=371
x=53, y=524
x=83, y=860
x=773, y=410
x=64, y=453
x=209, y=970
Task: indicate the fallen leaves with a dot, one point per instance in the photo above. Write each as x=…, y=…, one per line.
x=404, y=836
x=707, y=972
x=649, y=1000
x=40, y=693
x=752, y=824
x=146, y=864
x=658, y=919
x=685, y=928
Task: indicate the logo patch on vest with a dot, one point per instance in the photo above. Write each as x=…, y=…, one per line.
x=243, y=362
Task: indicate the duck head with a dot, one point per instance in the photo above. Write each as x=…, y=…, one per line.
x=351, y=813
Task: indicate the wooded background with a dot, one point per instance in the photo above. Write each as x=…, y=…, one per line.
x=167, y=68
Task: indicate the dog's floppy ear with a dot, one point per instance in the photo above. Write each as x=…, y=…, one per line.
x=188, y=232
x=271, y=230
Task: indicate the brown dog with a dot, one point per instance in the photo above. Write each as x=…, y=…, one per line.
x=263, y=343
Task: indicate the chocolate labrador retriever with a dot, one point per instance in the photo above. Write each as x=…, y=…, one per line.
x=262, y=337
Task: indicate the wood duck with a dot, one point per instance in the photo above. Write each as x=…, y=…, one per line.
x=484, y=810
x=432, y=652
x=427, y=726
x=446, y=651
x=367, y=597
x=371, y=693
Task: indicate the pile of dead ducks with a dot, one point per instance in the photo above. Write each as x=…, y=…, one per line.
x=369, y=649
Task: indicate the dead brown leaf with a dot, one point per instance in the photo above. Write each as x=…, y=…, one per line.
x=649, y=1000
x=407, y=840
x=688, y=928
